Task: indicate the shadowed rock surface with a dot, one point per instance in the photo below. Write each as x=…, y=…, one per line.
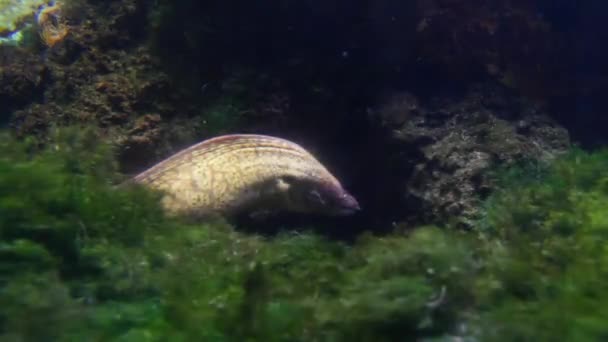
x=445, y=146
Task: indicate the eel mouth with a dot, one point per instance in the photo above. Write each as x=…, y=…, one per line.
x=348, y=206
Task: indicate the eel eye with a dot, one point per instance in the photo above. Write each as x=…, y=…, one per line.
x=316, y=197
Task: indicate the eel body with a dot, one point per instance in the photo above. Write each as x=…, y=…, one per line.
x=252, y=173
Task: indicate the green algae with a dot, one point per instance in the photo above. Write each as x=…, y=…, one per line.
x=83, y=259
x=548, y=278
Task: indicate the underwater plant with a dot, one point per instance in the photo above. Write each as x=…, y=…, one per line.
x=82, y=259
x=15, y=15
x=546, y=265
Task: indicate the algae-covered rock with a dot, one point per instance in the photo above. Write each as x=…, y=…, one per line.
x=453, y=143
x=22, y=79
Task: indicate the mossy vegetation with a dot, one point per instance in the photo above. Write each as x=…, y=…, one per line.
x=83, y=259
x=547, y=276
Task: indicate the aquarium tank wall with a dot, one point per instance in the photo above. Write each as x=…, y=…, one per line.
x=418, y=170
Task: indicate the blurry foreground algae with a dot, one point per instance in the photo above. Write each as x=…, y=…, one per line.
x=549, y=272
x=81, y=259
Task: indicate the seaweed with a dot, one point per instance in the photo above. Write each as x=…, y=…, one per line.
x=108, y=264
x=546, y=275
x=81, y=258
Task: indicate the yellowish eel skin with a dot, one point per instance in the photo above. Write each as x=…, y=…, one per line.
x=251, y=173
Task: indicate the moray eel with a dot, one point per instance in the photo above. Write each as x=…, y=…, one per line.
x=247, y=173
